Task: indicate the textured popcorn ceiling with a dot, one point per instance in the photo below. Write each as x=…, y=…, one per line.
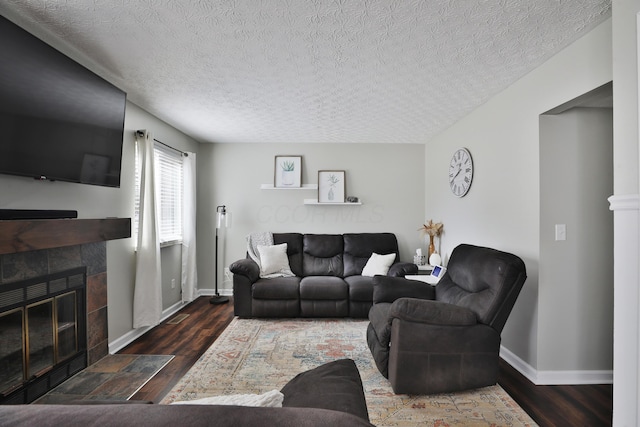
x=391, y=71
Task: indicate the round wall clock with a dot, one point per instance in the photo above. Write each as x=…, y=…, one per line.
x=460, y=172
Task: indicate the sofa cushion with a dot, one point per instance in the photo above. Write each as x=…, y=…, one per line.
x=335, y=385
x=294, y=249
x=276, y=288
x=358, y=248
x=322, y=255
x=484, y=280
x=360, y=288
x=323, y=288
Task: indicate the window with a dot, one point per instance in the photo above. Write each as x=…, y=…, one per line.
x=168, y=177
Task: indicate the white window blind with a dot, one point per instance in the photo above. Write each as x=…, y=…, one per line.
x=168, y=176
x=168, y=166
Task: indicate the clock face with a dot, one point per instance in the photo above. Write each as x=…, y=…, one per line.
x=460, y=172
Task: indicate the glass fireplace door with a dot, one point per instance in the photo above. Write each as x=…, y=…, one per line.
x=12, y=367
x=66, y=326
x=40, y=338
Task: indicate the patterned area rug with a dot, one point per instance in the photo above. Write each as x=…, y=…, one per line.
x=114, y=377
x=256, y=356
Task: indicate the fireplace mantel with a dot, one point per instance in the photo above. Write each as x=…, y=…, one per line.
x=30, y=235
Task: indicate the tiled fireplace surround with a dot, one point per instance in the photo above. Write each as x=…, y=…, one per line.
x=27, y=265
x=36, y=248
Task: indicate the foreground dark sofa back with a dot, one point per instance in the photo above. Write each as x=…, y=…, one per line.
x=328, y=278
x=328, y=395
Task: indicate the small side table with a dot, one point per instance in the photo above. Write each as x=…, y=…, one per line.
x=424, y=269
x=422, y=278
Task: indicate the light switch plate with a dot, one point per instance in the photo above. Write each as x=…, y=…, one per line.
x=561, y=232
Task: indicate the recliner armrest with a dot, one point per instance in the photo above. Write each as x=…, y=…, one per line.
x=246, y=267
x=431, y=312
x=401, y=269
x=389, y=289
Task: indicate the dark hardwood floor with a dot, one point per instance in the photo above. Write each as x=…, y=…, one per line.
x=187, y=341
x=584, y=405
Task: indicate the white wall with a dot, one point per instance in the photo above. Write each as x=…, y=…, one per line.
x=502, y=209
x=388, y=178
x=575, y=275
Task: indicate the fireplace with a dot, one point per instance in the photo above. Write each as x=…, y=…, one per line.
x=53, y=272
x=43, y=332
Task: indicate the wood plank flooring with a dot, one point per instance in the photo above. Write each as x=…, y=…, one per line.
x=187, y=340
x=584, y=405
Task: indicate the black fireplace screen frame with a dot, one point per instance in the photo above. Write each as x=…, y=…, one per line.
x=20, y=297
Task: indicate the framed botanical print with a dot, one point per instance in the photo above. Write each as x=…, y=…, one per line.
x=331, y=186
x=287, y=172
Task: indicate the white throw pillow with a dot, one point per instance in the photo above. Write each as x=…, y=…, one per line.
x=271, y=399
x=274, y=261
x=378, y=264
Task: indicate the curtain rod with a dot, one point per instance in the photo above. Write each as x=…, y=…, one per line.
x=175, y=149
x=141, y=133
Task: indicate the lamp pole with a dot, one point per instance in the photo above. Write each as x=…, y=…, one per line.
x=221, y=221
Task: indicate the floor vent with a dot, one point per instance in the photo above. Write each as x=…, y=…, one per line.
x=179, y=318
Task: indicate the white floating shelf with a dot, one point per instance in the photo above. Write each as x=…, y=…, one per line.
x=304, y=187
x=316, y=202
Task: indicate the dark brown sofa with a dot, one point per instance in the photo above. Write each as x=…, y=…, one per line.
x=329, y=395
x=328, y=278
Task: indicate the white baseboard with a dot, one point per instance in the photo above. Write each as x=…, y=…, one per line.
x=211, y=292
x=126, y=339
x=556, y=377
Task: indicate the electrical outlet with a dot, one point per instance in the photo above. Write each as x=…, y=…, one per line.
x=173, y=283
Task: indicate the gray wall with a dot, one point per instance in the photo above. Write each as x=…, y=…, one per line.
x=576, y=280
x=502, y=209
x=388, y=178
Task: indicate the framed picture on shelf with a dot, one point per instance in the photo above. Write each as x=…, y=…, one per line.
x=331, y=186
x=287, y=172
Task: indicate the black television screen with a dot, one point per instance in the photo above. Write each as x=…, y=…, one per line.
x=58, y=120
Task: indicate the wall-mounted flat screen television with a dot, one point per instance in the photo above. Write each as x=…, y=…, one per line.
x=58, y=120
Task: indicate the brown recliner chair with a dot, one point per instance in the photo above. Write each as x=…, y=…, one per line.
x=445, y=338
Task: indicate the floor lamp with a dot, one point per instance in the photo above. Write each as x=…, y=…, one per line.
x=223, y=220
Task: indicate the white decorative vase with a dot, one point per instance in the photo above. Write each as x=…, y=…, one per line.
x=435, y=259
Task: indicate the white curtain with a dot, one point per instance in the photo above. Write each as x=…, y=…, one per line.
x=189, y=273
x=147, y=297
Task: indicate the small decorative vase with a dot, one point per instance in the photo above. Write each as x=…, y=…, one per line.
x=435, y=259
x=432, y=247
x=330, y=196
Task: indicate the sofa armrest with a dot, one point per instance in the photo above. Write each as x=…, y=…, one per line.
x=389, y=289
x=246, y=267
x=431, y=312
x=401, y=269
x=335, y=385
